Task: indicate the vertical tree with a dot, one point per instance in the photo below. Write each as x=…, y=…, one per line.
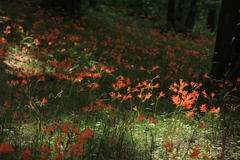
x=92, y=3
x=191, y=18
x=212, y=16
x=226, y=62
x=180, y=13
x=171, y=12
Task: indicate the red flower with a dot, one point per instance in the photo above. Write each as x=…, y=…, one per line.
x=86, y=134
x=76, y=129
x=201, y=126
x=24, y=82
x=57, y=123
x=15, y=114
x=195, y=153
x=111, y=139
x=4, y=148
x=168, y=147
x=215, y=110
x=48, y=130
x=59, y=156
x=85, y=109
x=26, y=154
x=141, y=117
x=190, y=114
x=45, y=149
x=203, y=108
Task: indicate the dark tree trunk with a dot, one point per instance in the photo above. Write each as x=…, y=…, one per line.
x=171, y=12
x=180, y=13
x=235, y=59
x=212, y=17
x=93, y=3
x=70, y=6
x=225, y=62
x=190, y=21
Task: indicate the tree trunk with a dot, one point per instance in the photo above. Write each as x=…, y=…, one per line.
x=225, y=62
x=180, y=14
x=212, y=17
x=190, y=21
x=171, y=12
x=92, y=4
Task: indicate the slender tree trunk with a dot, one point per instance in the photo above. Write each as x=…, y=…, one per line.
x=235, y=57
x=180, y=14
x=212, y=17
x=225, y=62
x=93, y=3
x=171, y=12
x=190, y=21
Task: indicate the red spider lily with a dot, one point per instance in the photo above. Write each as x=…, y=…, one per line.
x=195, y=153
x=161, y=94
x=76, y=129
x=204, y=94
x=15, y=114
x=156, y=85
x=141, y=117
x=44, y=100
x=77, y=149
x=212, y=94
x=19, y=74
x=6, y=103
x=155, y=67
x=221, y=85
x=3, y=40
x=157, y=76
x=57, y=123
x=48, y=130
x=42, y=78
x=111, y=139
x=176, y=99
x=155, y=121
x=109, y=107
x=65, y=127
x=201, y=126
x=59, y=156
x=190, y=115
x=150, y=119
x=148, y=95
x=24, y=81
x=86, y=134
x=93, y=68
x=203, y=108
x=25, y=115
x=168, y=147
x=95, y=85
x=26, y=154
x=93, y=107
x=128, y=81
x=85, y=109
x=125, y=97
x=5, y=147
x=140, y=95
x=36, y=41
x=45, y=149
x=135, y=108
x=215, y=110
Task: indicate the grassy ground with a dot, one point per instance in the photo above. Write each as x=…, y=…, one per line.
x=107, y=85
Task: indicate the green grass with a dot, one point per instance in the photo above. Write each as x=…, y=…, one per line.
x=98, y=87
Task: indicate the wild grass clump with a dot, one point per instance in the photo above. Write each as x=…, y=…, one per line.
x=106, y=87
